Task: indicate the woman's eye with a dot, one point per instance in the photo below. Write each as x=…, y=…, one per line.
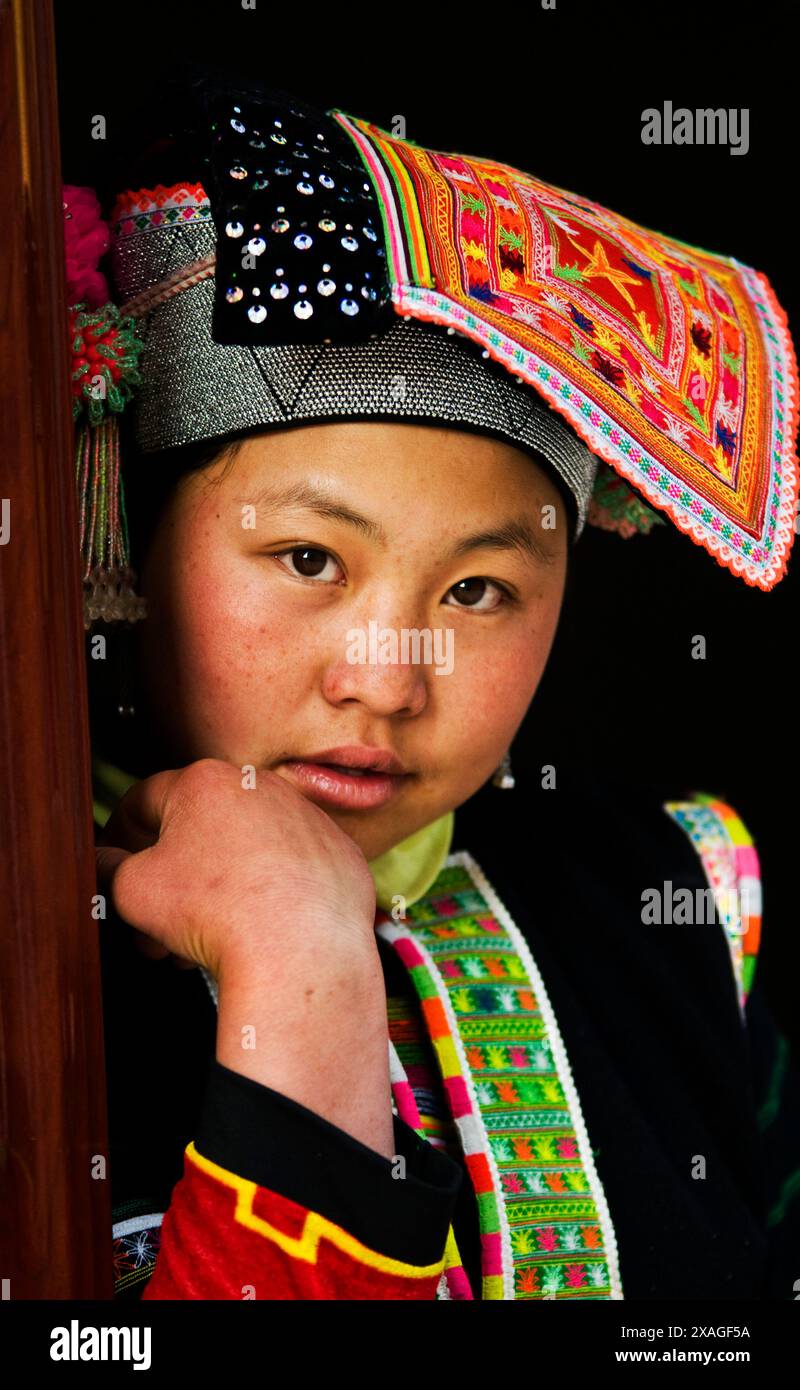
x=483, y=594
x=307, y=562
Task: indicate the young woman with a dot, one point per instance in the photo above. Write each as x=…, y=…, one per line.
x=352, y=528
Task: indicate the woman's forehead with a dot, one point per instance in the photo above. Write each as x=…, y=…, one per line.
x=384, y=481
x=372, y=457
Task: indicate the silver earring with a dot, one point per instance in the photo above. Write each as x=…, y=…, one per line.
x=503, y=777
x=125, y=706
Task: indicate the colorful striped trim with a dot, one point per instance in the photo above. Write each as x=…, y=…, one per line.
x=414, y=1051
x=546, y=1230
x=454, y=1283
x=731, y=866
x=407, y=253
x=147, y=209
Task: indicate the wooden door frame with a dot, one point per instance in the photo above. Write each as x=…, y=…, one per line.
x=55, y=1210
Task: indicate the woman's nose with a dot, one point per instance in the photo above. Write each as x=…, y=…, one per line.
x=383, y=666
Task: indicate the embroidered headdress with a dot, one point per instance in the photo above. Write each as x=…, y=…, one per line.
x=326, y=268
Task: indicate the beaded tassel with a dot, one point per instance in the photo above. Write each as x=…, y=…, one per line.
x=104, y=543
x=105, y=351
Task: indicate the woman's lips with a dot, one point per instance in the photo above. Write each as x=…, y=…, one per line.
x=351, y=791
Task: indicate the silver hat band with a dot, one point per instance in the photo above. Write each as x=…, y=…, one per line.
x=196, y=389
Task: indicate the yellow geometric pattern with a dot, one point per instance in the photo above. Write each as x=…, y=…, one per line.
x=315, y=1229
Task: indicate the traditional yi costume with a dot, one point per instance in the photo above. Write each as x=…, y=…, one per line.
x=585, y=1107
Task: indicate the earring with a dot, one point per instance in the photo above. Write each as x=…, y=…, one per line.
x=503, y=777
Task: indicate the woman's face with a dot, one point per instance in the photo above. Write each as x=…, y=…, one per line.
x=277, y=580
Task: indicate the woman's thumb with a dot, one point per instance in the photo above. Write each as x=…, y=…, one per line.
x=108, y=859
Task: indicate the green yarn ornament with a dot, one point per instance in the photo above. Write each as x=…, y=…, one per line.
x=105, y=353
x=616, y=507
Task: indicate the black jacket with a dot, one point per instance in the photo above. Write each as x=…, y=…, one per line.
x=672, y=1085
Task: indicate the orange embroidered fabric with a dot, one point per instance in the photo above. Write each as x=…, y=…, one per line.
x=674, y=364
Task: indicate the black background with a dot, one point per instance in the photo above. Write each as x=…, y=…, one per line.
x=559, y=94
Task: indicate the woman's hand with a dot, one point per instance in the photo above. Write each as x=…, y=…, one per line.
x=216, y=873
x=263, y=889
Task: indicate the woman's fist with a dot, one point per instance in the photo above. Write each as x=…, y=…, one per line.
x=220, y=873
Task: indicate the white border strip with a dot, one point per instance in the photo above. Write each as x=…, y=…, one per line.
x=137, y=1223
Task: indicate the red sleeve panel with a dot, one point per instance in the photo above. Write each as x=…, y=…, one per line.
x=276, y=1203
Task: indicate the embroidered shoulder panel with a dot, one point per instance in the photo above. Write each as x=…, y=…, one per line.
x=546, y=1230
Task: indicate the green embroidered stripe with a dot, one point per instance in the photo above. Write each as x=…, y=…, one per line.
x=789, y=1191
x=769, y=1109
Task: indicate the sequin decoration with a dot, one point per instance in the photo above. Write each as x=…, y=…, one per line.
x=301, y=257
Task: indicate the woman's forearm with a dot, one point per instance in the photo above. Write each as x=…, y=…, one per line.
x=314, y=1027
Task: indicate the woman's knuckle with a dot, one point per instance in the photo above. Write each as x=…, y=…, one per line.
x=127, y=887
x=203, y=772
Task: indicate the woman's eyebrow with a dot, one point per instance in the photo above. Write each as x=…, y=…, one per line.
x=312, y=499
x=511, y=535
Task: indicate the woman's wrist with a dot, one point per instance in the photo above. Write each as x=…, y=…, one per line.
x=312, y=1025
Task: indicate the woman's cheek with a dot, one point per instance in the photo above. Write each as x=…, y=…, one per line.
x=488, y=697
x=241, y=646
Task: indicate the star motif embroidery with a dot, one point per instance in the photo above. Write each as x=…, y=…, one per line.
x=600, y=268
